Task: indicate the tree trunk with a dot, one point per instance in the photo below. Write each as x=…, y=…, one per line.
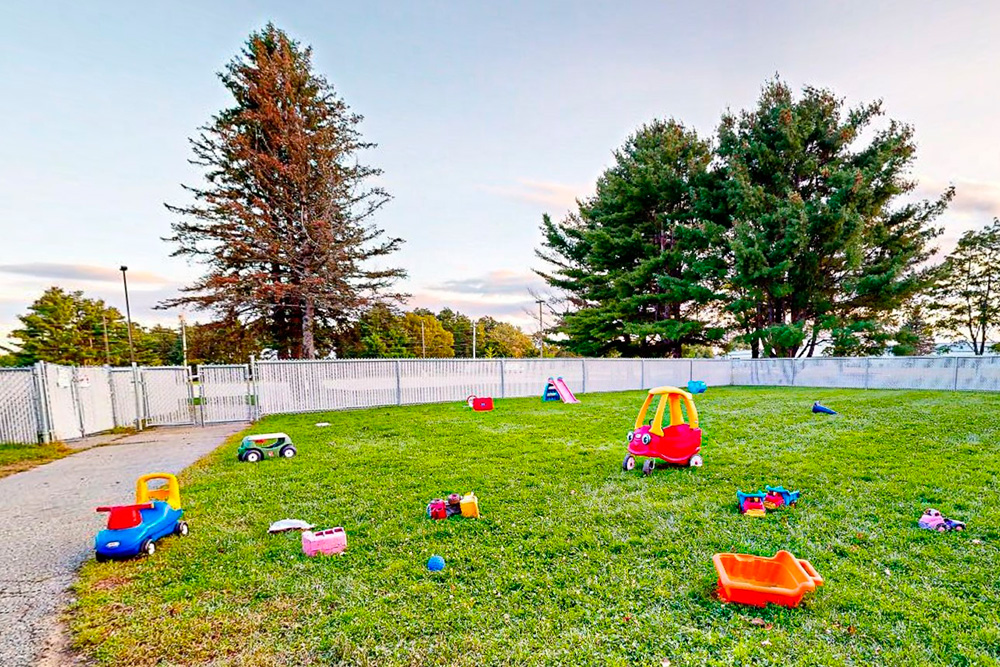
x=308, y=340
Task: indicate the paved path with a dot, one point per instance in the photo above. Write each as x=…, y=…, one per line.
x=48, y=523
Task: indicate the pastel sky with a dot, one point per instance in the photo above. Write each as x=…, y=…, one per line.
x=486, y=114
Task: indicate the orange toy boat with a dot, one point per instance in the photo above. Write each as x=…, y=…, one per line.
x=756, y=580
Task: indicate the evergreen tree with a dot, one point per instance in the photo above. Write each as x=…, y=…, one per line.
x=968, y=289
x=916, y=335
x=822, y=239
x=642, y=261
x=283, y=223
x=460, y=327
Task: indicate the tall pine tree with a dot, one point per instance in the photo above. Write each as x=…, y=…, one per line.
x=283, y=222
x=642, y=260
x=825, y=245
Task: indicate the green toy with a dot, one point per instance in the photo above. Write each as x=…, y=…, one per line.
x=269, y=445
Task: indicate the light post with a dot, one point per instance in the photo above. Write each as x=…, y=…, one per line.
x=128, y=316
x=131, y=354
x=473, y=339
x=541, y=329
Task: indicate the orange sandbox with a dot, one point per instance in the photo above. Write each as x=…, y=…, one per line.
x=756, y=580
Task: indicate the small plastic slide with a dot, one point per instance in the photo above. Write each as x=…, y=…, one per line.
x=558, y=386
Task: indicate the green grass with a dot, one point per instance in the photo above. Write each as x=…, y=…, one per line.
x=576, y=562
x=16, y=457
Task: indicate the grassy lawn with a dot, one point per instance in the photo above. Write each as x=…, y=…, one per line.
x=19, y=457
x=576, y=562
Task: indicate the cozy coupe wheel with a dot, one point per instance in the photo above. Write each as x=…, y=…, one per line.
x=696, y=461
x=182, y=528
x=148, y=547
x=648, y=466
x=629, y=463
x=288, y=451
x=253, y=456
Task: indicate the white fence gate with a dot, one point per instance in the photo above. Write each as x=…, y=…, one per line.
x=20, y=416
x=226, y=394
x=168, y=397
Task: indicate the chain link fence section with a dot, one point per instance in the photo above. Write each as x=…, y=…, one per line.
x=168, y=398
x=226, y=394
x=19, y=414
x=93, y=398
x=440, y=380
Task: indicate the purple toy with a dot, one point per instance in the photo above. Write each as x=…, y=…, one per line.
x=932, y=520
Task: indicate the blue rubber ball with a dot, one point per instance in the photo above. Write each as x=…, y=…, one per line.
x=435, y=563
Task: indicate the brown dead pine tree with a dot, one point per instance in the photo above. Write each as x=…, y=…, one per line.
x=283, y=223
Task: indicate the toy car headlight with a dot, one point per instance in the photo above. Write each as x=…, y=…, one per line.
x=645, y=438
x=113, y=545
x=631, y=434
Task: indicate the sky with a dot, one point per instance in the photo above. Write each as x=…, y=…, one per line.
x=486, y=116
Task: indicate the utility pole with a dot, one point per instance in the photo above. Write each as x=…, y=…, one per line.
x=107, y=348
x=184, y=340
x=128, y=316
x=423, y=342
x=473, y=339
x=541, y=329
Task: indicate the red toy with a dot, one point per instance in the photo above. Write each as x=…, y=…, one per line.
x=437, y=509
x=678, y=443
x=480, y=404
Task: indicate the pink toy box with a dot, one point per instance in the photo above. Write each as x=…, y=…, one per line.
x=330, y=541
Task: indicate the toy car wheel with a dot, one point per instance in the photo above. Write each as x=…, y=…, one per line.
x=647, y=467
x=182, y=528
x=252, y=456
x=100, y=558
x=629, y=463
x=288, y=451
x=148, y=547
x=696, y=461
x=942, y=528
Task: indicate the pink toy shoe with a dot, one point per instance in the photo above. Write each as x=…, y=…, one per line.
x=330, y=541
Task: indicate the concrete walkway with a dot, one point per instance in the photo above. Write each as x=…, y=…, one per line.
x=48, y=523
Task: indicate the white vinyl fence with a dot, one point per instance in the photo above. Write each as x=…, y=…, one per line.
x=49, y=402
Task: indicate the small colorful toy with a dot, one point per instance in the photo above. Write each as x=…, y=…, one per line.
x=822, y=409
x=454, y=504
x=756, y=580
x=696, y=387
x=750, y=504
x=679, y=443
x=932, y=520
x=134, y=529
x=556, y=390
x=480, y=403
x=253, y=448
x=470, y=506
x=437, y=509
x=327, y=542
x=779, y=496
x=435, y=563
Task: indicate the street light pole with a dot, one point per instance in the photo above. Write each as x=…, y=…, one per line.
x=541, y=329
x=136, y=386
x=128, y=316
x=473, y=339
x=423, y=342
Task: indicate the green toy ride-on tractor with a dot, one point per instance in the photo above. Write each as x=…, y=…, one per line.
x=265, y=445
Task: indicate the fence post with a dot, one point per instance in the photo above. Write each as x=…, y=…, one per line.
x=42, y=406
x=399, y=385
x=642, y=373
x=868, y=367
x=136, y=388
x=583, y=382
x=503, y=380
x=254, y=391
x=732, y=372
x=111, y=391
x=691, y=370
x=957, y=361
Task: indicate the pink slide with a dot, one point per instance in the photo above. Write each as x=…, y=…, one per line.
x=564, y=393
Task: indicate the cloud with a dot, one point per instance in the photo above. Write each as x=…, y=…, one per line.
x=556, y=195
x=495, y=283
x=81, y=272
x=977, y=198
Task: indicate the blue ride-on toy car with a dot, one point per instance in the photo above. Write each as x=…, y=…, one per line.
x=134, y=529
